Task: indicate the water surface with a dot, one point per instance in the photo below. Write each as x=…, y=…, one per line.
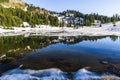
x=70, y=56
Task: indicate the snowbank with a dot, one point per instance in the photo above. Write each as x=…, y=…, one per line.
x=46, y=30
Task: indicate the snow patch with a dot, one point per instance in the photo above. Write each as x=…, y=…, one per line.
x=54, y=74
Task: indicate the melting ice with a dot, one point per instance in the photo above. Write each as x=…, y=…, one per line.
x=53, y=74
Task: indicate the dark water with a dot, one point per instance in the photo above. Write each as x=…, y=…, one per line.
x=64, y=58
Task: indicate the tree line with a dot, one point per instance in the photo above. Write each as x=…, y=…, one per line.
x=88, y=19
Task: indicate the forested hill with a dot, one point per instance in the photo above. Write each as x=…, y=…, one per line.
x=74, y=17
x=15, y=16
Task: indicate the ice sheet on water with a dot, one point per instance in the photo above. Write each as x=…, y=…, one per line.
x=53, y=74
x=48, y=74
x=84, y=74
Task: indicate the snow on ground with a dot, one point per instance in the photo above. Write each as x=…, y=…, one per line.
x=43, y=30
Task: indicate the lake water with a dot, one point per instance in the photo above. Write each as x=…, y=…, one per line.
x=60, y=58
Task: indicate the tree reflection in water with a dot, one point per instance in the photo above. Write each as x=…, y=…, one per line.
x=12, y=48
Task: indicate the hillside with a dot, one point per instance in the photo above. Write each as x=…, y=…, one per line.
x=10, y=1
x=16, y=12
x=22, y=5
x=13, y=4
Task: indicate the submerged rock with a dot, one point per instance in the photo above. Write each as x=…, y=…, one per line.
x=104, y=62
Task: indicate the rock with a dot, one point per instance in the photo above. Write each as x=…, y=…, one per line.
x=28, y=47
x=21, y=66
x=104, y=62
x=3, y=56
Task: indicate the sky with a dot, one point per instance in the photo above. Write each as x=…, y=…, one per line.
x=103, y=7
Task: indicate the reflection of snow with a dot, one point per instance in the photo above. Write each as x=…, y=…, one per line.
x=52, y=74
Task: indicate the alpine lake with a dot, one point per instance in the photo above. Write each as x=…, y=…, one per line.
x=99, y=54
